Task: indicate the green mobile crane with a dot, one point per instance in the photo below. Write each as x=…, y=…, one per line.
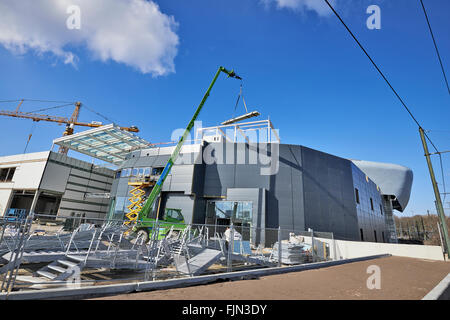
x=144, y=222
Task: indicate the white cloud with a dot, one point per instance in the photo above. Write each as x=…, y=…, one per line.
x=318, y=6
x=133, y=32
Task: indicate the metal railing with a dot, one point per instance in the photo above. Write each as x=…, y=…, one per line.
x=111, y=252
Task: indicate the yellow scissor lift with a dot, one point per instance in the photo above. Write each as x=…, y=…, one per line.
x=137, y=197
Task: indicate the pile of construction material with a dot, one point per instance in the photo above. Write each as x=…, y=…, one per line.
x=293, y=251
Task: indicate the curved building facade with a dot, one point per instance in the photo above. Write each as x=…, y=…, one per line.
x=273, y=185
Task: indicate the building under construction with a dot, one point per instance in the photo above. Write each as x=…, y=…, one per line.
x=295, y=187
x=292, y=187
x=53, y=184
x=231, y=198
x=243, y=164
x=238, y=172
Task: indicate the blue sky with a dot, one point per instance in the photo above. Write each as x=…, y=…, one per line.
x=300, y=68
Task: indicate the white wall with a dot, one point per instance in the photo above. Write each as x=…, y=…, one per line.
x=5, y=161
x=4, y=198
x=28, y=175
x=355, y=249
x=29, y=169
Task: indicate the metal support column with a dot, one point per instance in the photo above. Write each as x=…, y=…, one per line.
x=439, y=207
x=279, y=247
x=35, y=200
x=230, y=249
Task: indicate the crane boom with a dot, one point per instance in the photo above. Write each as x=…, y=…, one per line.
x=149, y=203
x=70, y=123
x=61, y=120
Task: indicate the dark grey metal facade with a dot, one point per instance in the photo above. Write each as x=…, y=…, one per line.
x=311, y=189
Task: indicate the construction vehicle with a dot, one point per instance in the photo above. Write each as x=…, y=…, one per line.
x=145, y=217
x=70, y=122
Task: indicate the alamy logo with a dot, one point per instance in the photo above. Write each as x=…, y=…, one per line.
x=374, y=20
x=374, y=281
x=74, y=20
x=258, y=149
x=74, y=281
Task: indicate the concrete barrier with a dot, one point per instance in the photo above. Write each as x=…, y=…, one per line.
x=342, y=249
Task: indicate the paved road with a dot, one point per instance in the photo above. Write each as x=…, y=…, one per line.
x=401, y=278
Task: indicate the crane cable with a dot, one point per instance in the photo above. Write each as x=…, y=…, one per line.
x=36, y=100
x=65, y=103
x=33, y=126
x=241, y=94
x=55, y=107
x=99, y=114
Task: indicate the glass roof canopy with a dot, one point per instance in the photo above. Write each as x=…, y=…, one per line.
x=108, y=143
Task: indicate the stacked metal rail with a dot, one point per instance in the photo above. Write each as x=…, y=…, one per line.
x=23, y=228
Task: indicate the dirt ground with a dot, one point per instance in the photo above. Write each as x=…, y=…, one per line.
x=401, y=278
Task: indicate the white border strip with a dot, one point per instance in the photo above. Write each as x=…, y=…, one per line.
x=441, y=291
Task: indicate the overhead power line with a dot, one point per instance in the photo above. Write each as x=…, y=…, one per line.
x=423, y=137
x=380, y=72
x=443, y=177
x=435, y=46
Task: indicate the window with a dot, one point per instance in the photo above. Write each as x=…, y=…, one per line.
x=173, y=215
x=134, y=172
x=6, y=174
x=381, y=209
x=237, y=211
x=119, y=207
x=357, y=195
x=362, y=234
x=3, y=174
x=125, y=173
x=371, y=204
x=222, y=213
x=10, y=174
x=375, y=234
x=118, y=174
x=157, y=171
x=382, y=234
x=147, y=172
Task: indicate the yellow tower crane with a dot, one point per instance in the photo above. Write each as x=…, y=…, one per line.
x=70, y=122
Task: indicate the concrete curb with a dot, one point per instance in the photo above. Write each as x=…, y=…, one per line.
x=115, y=289
x=441, y=291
